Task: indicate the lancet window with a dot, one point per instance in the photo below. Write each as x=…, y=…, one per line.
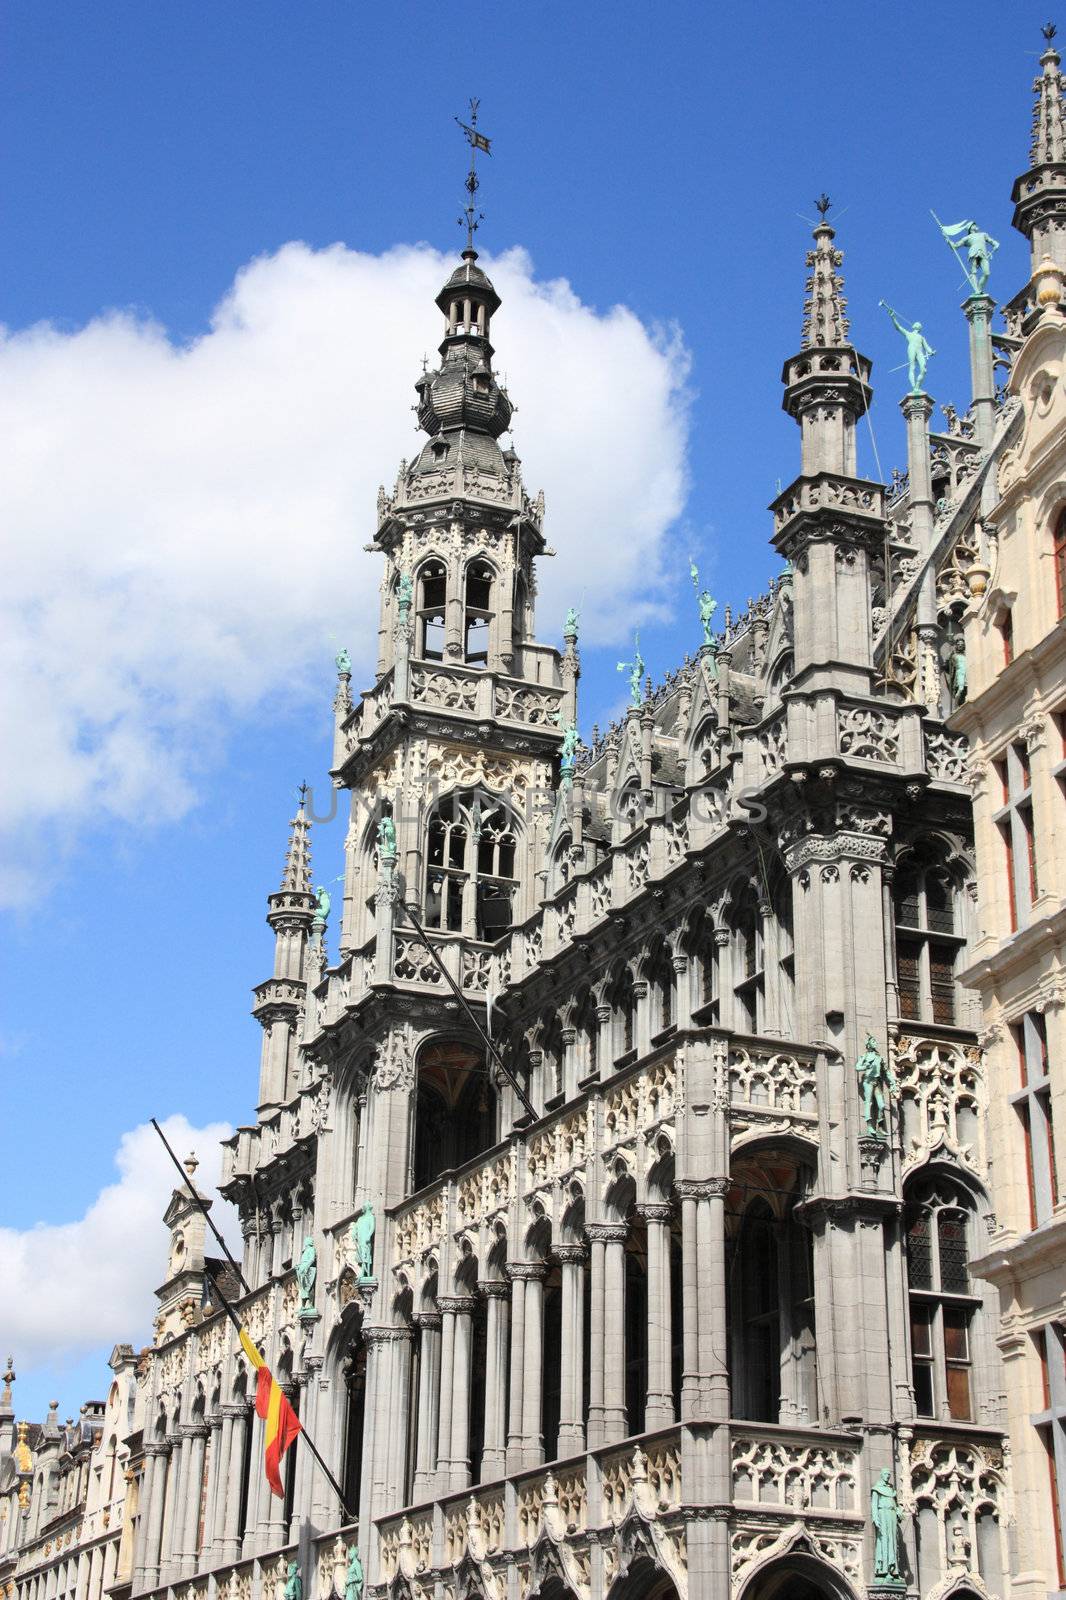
x=942, y=1302
x=455, y=1110
x=470, y=866
x=477, y=625
x=432, y=599
x=927, y=942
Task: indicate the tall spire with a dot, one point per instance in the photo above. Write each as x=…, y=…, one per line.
x=827, y=383
x=1039, y=195
x=1048, y=143
x=477, y=140
x=825, y=322
x=296, y=878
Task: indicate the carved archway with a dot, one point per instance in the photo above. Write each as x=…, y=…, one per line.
x=643, y=1580
x=796, y=1575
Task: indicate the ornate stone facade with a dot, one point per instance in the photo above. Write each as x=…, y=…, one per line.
x=662, y=1333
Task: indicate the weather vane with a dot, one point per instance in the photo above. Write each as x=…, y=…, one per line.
x=822, y=204
x=471, y=216
x=1049, y=31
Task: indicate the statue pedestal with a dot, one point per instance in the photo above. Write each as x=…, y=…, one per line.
x=886, y=1588
x=366, y=1289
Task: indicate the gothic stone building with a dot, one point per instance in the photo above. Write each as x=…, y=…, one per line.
x=664, y=1335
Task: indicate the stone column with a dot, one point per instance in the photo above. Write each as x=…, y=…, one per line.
x=612, y=1236
x=173, y=1508
x=463, y=1308
x=494, y=1450
x=532, y=1436
x=239, y=1416
x=195, y=1447
x=144, y=1496
x=429, y=1369
x=979, y=309
x=659, y=1409
x=517, y=1375
x=572, y=1397
x=604, y=1041
x=444, y=1412
x=95, y=1573
x=596, y=1331
x=221, y=1424
x=156, y=1455
x=257, y=1487
x=690, y=1355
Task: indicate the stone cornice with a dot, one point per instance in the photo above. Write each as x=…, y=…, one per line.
x=1025, y=1256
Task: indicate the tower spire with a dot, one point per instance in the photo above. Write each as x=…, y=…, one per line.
x=296, y=878
x=1039, y=195
x=825, y=322
x=827, y=383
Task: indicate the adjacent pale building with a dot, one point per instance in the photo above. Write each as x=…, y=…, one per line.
x=1015, y=719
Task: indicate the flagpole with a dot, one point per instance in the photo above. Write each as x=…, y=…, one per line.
x=235, y=1319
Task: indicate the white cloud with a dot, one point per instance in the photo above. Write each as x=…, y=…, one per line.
x=184, y=525
x=71, y=1287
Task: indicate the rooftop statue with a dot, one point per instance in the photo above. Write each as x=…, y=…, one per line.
x=344, y=661
x=886, y=1516
x=353, y=1580
x=635, y=669
x=568, y=748
x=570, y=625
x=363, y=1240
x=707, y=606
x=306, y=1274
x=322, y=905
x=877, y=1081
x=405, y=592
x=294, y=1584
x=980, y=247
x=918, y=347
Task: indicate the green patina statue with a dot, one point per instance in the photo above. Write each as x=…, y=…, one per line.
x=635, y=669
x=918, y=348
x=322, y=905
x=386, y=839
x=570, y=625
x=344, y=661
x=980, y=247
x=957, y=669
x=405, y=593
x=363, y=1240
x=294, y=1584
x=353, y=1581
x=568, y=748
x=306, y=1274
x=886, y=1516
x=707, y=605
x=878, y=1082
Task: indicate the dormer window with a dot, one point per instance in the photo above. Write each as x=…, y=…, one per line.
x=478, y=621
x=432, y=594
x=439, y=448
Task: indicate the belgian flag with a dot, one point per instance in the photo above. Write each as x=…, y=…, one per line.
x=282, y=1423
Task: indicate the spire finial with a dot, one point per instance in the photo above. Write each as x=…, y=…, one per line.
x=1048, y=145
x=825, y=321
x=190, y=1164
x=296, y=878
x=472, y=217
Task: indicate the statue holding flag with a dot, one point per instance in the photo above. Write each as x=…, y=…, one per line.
x=980, y=247
x=635, y=670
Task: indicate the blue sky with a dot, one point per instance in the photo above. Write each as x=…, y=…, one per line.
x=656, y=157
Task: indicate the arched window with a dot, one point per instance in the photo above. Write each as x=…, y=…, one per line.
x=588, y=1034
x=942, y=1303
x=470, y=867
x=478, y=619
x=703, y=950
x=432, y=598
x=773, y=1345
x=759, y=1390
x=1059, y=554
x=455, y=1110
x=663, y=991
x=926, y=941
x=624, y=1001
x=748, y=978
